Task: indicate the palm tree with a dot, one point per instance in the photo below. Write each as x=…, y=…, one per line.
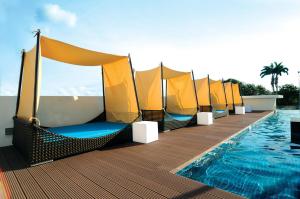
x=279, y=69
x=269, y=70
x=275, y=70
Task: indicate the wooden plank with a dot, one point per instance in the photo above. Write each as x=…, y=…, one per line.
x=87, y=185
x=47, y=184
x=130, y=171
x=13, y=186
x=28, y=184
x=89, y=172
x=123, y=182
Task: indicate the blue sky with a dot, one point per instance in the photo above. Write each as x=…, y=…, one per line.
x=227, y=39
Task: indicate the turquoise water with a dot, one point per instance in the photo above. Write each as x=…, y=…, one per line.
x=258, y=163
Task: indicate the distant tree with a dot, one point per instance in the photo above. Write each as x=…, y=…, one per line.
x=290, y=95
x=234, y=81
x=248, y=89
x=262, y=90
x=279, y=69
x=269, y=70
x=275, y=70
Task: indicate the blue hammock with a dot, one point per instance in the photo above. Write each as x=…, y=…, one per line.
x=89, y=130
x=180, y=117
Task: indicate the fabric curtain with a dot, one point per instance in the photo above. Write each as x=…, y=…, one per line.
x=218, y=98
x=120, y=96
x=202, y=89
x=181, y=97
x=228, y=92
x=149, y=89
x=70, y=54
x=170, y=73
x=236, y=94
x=25, y=111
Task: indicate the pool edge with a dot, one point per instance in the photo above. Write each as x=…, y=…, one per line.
x=182, y=166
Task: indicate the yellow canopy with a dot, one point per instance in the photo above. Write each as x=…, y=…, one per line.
x=181, y=97
x=236, y=94
x=149, y=89
x=70, y=54
x=170, y=73
x=202, y=88
x=229, y=95
x=26, y=102
x=120, y=100
x=218, y=98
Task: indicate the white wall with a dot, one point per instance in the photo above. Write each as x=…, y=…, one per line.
x=68, y=110
x=261, y=102
x=53, y=111
x=7, y=111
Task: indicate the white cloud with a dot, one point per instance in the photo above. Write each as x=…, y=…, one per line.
x=55, y=13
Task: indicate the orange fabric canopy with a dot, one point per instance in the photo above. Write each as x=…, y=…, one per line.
x=236, y=94
x=202, y=89
x=120, y=97
x=217, y=92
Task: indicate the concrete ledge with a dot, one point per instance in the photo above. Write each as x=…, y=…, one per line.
x=263, y=97
x=261, y=102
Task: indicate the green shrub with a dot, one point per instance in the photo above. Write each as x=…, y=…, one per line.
x=290, y=95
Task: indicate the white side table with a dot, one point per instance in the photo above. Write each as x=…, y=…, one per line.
x=145, y=131
x=204, y=118
x=240, y=110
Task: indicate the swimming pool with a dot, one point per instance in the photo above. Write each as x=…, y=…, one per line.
x=260, y=162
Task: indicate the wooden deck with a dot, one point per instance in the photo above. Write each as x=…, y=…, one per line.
x=133, y=171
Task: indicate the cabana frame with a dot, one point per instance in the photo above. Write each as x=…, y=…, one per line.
x=165, y=121
x=38, y=145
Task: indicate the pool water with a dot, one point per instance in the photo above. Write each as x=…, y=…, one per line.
x=260, y=162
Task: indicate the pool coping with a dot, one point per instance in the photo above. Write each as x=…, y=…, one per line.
x=182, y=166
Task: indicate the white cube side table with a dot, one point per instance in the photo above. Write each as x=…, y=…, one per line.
x=145, y=131
x=204, y=118
x=240, y=110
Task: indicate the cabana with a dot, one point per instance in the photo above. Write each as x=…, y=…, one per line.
x=203, y=94
x=233, y=96
x=218, y=98
x=237, y=98
x=39, y=143
x=178, y=108
x=229, y=97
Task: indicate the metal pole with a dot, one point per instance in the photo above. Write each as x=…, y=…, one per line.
x=38, y=33
x=208, y=81
x=20, y=81
x=241, y=94
x=166, y=95
x=136, y=97
x=103, y=90
x=233, y=105
x=162, y=85
x=299, y=88
x=224, y=92
x=195, y=90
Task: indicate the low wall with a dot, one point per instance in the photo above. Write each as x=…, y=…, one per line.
x=53, y=111
x=261, y=102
